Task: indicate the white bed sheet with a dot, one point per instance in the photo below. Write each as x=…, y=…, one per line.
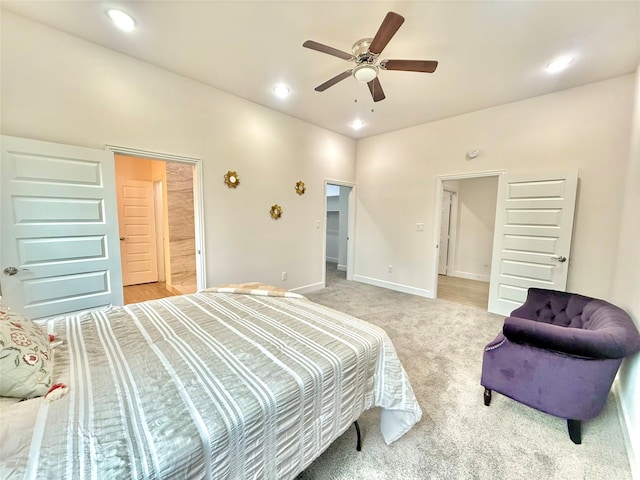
x=210, y=385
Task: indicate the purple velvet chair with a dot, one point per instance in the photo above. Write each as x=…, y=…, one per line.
x=559, y=353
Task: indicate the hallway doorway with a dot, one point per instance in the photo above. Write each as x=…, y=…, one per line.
x=467, y=223
x=159, y=224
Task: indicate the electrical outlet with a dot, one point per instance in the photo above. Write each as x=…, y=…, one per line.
x=419, y=227
x=317, y=223
x=284, y=276
x=390, y=268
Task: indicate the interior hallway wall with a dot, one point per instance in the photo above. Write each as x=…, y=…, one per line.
x=180, y=217
x=475, y=226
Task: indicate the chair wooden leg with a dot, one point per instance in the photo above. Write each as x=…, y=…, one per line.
x=359, y=441
x=487, y=396
x=575, y=431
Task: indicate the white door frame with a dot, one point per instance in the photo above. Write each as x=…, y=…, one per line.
x=198, y=204
x=350, y=228
x=158, y=202
x=438, y=212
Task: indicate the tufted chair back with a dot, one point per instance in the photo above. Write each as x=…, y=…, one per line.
x=557, y=308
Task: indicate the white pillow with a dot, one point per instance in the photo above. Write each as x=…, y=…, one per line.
x=26, y=360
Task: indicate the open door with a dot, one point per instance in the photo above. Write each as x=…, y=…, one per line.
x=445, y=232
x=59, y=235
x=534, y=224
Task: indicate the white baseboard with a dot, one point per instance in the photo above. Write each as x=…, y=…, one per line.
x=308, y=288
x=393, y=286
x=471, y=276
x=342, y=268
x=631, y=436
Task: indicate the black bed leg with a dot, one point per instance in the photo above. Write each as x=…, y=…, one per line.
x=359, y=444
x=575, y=431
x=487, y=396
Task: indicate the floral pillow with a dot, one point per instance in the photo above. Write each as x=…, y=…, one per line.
x=26, y=362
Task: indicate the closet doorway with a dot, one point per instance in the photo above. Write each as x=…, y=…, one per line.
x=339, y=223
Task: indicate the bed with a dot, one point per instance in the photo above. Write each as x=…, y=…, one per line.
x=225, y=383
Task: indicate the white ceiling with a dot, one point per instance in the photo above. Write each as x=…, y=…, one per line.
x=490, y=52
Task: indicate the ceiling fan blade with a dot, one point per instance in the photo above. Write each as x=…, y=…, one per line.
x=333, y=81
x=427, y=66
x=326, y=49
x=376, y=90
x=387, y=30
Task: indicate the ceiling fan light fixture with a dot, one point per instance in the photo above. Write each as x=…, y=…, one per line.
x=365, y=72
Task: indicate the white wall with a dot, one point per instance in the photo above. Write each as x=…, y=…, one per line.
x=585, y=128
x=476, y=219
x=626, y=284
x=56, y=87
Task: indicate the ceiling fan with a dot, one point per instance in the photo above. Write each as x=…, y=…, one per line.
x=365, y=54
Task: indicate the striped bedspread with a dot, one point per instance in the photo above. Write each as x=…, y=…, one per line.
x=210, y=385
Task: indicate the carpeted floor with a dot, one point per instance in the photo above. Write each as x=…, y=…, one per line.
x=440, y=344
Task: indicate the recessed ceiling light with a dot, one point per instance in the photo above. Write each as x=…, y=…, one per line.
x=281, y=91
x=122, y=20
x=357, y=124
x=560, y=63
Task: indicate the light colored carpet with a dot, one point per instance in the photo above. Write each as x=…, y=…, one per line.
x=440, y=344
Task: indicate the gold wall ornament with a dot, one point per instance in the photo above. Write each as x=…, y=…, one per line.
x=300, y=188
x=231, y=179
x=276, y=211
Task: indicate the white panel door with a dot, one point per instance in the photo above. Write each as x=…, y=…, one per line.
x=534, y=223
x=59, y=230
x=136, y=214
x=445, y=233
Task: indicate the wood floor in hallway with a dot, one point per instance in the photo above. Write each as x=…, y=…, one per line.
x=464, y=291
x=146, y=291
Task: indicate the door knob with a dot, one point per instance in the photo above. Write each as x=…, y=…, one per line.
x=121, y=238
x=10, y=271
x=14, y=270
x=559, y=258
